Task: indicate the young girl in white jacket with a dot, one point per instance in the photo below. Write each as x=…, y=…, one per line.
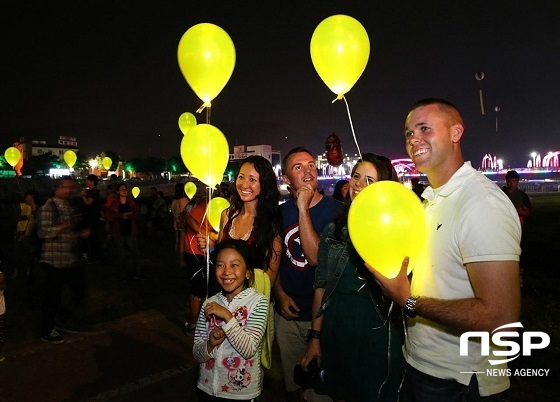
x=230, y=328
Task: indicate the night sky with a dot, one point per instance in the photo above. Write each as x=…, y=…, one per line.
x=107, y=73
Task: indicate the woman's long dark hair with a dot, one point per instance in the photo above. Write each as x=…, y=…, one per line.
x=385, y=171
x=268, y=222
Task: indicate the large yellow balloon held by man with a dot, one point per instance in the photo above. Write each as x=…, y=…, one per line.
x=340, y=52
x=70, y=158
x=12, y=156
x=386, y=223
x=206, y=57
x=205, y=152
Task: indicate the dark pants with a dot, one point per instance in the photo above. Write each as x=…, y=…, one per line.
x=56, y=280
x=127, y=256
x=93, y=242
x=420, y=387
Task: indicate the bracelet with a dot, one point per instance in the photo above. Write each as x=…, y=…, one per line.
x=313, y=334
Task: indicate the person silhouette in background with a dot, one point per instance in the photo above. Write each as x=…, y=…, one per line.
x=522, y=204
x=91, y=199
x=340, y=190
x=417, y=187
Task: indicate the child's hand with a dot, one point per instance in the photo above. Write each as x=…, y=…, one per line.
x=214, y=309
x=217, y=336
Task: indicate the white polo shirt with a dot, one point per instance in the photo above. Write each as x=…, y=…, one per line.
x=468, y=219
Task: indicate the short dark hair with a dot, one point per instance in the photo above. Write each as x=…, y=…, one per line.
x=93, y=178
x=295, y=150
x=443, y=104
x=512, y=174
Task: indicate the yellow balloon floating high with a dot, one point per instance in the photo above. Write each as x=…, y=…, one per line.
x=135, y=192
x=12, y=156
x=386, y=223
x=190, y=189
x=205, y=152
x=70, y=158
x=214, y=211
x=340, y=51
x=107, y=163
x=206, y=56
x=186, y=122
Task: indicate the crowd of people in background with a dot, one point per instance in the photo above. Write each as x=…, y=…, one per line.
x=286, y=271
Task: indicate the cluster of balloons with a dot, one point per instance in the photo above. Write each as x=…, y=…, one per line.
x=12, y=156
x=206, y=56
x=386, y=223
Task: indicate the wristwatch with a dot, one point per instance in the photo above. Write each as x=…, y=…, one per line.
x=313, y=334
x=410, y=307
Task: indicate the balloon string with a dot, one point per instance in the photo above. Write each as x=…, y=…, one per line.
x=352, y=126
x=207, y=251
x=204, y=106
x=481, y=101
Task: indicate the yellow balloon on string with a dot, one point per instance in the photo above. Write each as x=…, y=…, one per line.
x=135, y=192
x=206, y=56
x=340, y=51
x=205, y=152
x=186, y=122
x=107, y=163
x=214, y=210
x=70, y=158
x=190, y=189
x=12, y=156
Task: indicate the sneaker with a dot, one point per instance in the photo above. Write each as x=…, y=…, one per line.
x=2, y=357
x=53, y=337
x=69, y=328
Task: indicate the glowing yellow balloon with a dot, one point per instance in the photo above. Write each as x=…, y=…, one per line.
x=190, y=189
x=70, y=158
x=340, y=52
x=12, y=156
x=186, y=122
x=107, y=163
x=205, y=152
x=135, y=192
x=206, y=57
x=386, y=223
x=214, y=211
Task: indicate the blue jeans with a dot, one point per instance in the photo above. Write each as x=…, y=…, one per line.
x=420, y=387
